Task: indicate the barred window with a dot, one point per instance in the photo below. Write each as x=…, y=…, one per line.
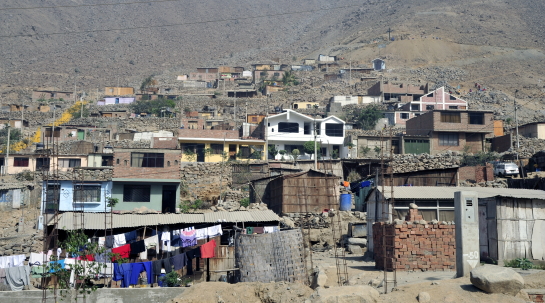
x=288, y=127
x=86, y=193
x=448, y=139
x=52, y=197
x=450, y=117
x=334, y=130
x=136, y=193
x=217, y=149
x=147, y=159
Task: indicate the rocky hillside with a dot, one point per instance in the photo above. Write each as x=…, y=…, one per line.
x=102, y=43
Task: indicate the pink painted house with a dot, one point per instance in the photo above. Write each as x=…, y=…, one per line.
x=437, y=99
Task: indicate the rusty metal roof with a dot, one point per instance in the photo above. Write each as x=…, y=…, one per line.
x=96, y=220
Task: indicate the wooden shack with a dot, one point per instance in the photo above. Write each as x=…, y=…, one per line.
x=304, y=192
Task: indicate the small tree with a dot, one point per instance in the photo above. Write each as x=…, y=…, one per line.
x=368, y=117
x=308, y=147
x=377, y=149
x=295, y=154
x=190, y=155
x=365, y=150
x=272, y=150
x=207, y=153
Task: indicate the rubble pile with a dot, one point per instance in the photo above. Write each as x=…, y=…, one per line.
x=529, y=146
x=409, y=163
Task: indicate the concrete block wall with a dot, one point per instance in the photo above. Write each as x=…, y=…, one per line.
x=417, y=246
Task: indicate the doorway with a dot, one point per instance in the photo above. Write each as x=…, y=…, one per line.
x=169, y=199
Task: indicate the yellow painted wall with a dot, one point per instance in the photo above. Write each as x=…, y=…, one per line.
x=118, y=91
x=218, y=158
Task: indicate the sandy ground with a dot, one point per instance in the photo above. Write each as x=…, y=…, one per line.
x=441, y=286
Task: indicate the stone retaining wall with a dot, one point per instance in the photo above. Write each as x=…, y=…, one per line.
x=205, y=181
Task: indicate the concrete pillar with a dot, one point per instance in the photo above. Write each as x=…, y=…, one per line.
x=467, y=231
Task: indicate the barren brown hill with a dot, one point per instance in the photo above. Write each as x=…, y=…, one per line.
x=99, y=44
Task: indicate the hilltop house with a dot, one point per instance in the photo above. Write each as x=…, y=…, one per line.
x=290, y=130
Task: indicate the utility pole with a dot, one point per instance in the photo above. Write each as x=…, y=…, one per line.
x=517, y=128
x=389, y=32
x=6, y=161
x=315, y=144
x=350, y=75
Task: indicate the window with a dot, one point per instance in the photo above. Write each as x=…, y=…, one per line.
x=430, y=107
x=318, y=128
x=476, y=118
x=276, y=74
x=20, y=162
x=69, y=163
x=42, y=164
x=288, y=127
x=442, y=210
x=136, y=193
x=450, y=117
x=147, y=159
x=217, y=149
x=117, y=161
x=254, y=119
x=448, y=139
x=415, y=107
x=452, y=98
x=308, y=129
x=453, y=107
x=52, y=197
x=309, y=106
x=244, y=152
x=86, y=193
x=404, y=116
x=108, y=161
x=56, y=132
x=334, y=130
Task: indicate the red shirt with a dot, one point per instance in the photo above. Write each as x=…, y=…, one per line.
x=208, y=249
x=123, y=251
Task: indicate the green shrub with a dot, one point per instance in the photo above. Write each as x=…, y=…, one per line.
x=245, y=202
x=521, y=263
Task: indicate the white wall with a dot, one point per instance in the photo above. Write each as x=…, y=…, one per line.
x=280, y=139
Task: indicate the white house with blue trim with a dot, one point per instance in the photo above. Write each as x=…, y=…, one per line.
x=290, y=130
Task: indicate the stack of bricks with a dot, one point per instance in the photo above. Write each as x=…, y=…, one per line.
x=417, y=246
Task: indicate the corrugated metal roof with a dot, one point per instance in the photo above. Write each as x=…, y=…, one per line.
x=431, y=192
x=96, y=220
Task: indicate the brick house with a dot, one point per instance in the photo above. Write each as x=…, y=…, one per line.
x=147, y=177
x=398, y=92
x=453, y=130
x=502, y=213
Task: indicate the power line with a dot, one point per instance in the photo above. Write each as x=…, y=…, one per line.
x=179, y=24
x=86, y=5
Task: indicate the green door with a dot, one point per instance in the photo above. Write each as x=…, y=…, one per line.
x=81, y=134
x=413, y=146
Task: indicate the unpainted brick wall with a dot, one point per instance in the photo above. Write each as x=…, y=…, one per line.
x=416, y=246
x=123, y=169
x=477, y=173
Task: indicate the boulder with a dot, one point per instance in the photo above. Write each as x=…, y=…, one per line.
x=496, y=279
x=355, y=249
x=424, y=297
x=357, y=241
x=345, y=294
x=319, y=279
